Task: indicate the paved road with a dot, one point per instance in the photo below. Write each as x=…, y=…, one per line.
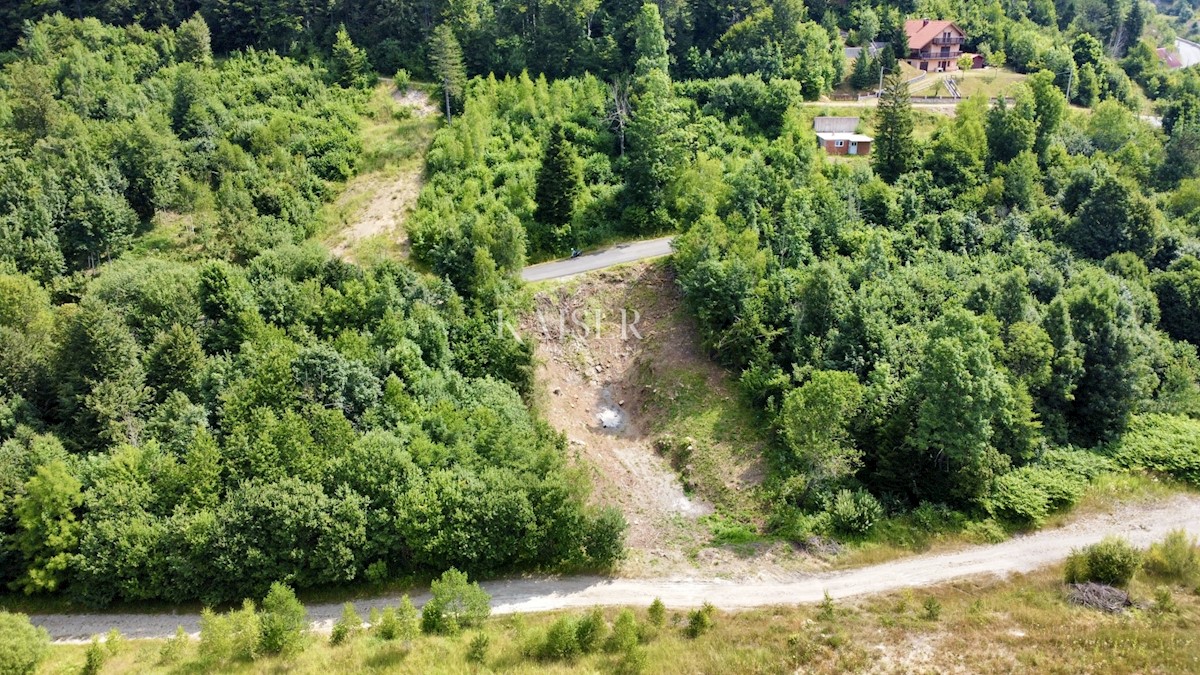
x=621, y=253
x=1141, y=523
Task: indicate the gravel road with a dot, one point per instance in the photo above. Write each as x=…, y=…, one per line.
x=616, y=255
x=1140, y=523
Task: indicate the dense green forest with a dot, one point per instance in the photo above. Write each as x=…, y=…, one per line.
x=201, y=423
x=972, y=321
x=979, y=321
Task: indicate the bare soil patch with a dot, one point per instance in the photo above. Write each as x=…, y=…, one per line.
x=622, y=375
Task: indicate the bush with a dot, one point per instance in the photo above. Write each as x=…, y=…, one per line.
x=407, y=621
x=1112, y=562
x=477, y=649
x=854, y=512
x=1030, y=493
x=402, y=80
x=933, y=609
x=94, y=658
x=632, y=662
x=591, y=631
x=1176, y=557
x=22, y=645
x=388, y=626
x=657, y=614
x=827, y=610
x=700, y=621
x=1164, y=443
x=347, y=627
x=456, y=604
x=235, y=635
x=172, y=650
x=284, y=620
x=624, y=634
x=561, y=642
x=114, y=641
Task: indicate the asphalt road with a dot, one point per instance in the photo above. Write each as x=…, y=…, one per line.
x=1141, y=522
x=621, y=253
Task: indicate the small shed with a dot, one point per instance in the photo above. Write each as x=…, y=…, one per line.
x=838, y=136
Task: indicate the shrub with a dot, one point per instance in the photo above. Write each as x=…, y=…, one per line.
x=561, y=642
x=402, y=80
x=1030, y=493
x=407, y=621
x=1113, y=562
x=933, y=609
x=388, y=626
x=347, y=627
x=1164, y=602
x=854, y=512
x=827, y=610
x=22, y=645
x=456, y=604
x=114, y=641
x=657, y=614
x=172, y=650
x=1176, y=558
x=624, y=634
x=632, y=662
x=700, y=621
x=235, y=635
x=477, y=649
x=1164, y=443
x=94, y=658
x=377, y=572
x=591, y=631
x=284, y=620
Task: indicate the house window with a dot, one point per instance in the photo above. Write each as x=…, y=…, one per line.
x=839, y=144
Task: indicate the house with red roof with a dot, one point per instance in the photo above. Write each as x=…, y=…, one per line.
x=933, y=46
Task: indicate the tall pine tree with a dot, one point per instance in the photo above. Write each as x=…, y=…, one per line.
x=559, y=182
x=895, y=150
x=446, y=58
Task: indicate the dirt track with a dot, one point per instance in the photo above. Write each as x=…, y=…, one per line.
x=1140, y=523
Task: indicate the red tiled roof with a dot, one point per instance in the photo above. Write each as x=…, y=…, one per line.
x=920, y=32
x=1169, y=59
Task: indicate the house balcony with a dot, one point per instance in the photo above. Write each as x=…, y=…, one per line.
x=938, y=54
x=948, y=40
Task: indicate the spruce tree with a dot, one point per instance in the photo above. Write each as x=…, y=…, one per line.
x=350, y=65
x=1135, y=23
x=863, y=75
x=446, y=59
x=895, y=151
x=559, y=182
x=193, y=41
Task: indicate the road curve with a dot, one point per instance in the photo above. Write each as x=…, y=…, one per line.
x=615, y=255
x=1141, y=523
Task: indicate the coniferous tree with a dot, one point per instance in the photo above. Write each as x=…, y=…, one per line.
x=350, y=65
x=895, y=150
x=446, y=59
x=193, y=41
x=863, y=75
x=1135, y=23
x=559, y=182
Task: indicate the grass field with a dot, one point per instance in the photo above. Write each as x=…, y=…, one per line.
x=989, y=625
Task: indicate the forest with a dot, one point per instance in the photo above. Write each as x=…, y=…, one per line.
x=199, y=424
x=980, y=319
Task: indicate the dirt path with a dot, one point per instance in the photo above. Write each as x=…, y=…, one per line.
x=384, y=198
x=1141, y=523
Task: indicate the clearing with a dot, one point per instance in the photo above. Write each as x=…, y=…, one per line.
x=366, y=222
x=621, y=373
